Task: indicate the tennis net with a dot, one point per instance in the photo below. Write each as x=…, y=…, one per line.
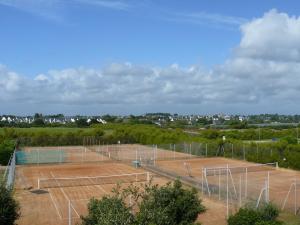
x=88, y=181
x=212, y=171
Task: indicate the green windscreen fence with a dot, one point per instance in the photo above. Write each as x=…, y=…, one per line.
x=40, y=156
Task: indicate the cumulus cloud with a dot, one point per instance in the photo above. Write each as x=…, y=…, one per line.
x=275, y=36
x=263, y=70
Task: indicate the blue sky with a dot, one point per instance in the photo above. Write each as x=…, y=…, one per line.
x=71, y=34
x=43, y=42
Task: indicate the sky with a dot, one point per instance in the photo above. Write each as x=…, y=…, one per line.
x=132, y=57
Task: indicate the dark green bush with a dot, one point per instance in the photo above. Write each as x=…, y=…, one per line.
x=9, y=208
x=265, y=215
x=6, y=149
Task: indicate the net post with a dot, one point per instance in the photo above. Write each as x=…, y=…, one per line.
x=277, y=165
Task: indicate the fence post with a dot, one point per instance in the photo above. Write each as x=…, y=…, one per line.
x=295, y=198
x=268, y=188
x=241, y=190
x=70, y=213
x=227, y=190
x=148, y=177
x=174, y=151
x=219, y=184
x=246, y=183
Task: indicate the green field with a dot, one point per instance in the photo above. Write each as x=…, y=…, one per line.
x=48, y=129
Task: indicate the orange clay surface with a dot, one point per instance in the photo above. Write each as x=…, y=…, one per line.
x=280, y=179
x=51, y=205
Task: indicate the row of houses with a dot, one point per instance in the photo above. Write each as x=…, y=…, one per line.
x=158, y=118
x=48, y=120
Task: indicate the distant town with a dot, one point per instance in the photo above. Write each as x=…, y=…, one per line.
x=159, y=119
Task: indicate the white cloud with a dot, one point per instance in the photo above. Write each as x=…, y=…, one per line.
x=55, y=10
x=205, y=18
x=263, y=72
x=51, y=10
x=112, y=4
x=275, y=36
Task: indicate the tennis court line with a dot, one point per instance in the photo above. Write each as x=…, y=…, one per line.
x=65, y=195
x=98, y=186
x=57, y=210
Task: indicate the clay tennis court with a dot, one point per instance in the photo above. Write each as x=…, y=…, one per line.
x=49, y=205
x=246, y=190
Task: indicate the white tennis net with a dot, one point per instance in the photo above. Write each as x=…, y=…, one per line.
x=211, y=171
x=87, y=181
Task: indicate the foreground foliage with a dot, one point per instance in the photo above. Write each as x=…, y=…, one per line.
x=283, y=149
x=167, y=205
x=6, y=149
x=265, y=215
x=9, y=208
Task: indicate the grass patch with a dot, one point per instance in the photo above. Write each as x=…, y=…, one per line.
x=289, y=218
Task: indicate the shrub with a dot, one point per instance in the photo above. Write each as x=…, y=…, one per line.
x=6, y=149
x=265, y=215
x=166, y=205
x=9, y=208
x=108, y=211
x=170, y=204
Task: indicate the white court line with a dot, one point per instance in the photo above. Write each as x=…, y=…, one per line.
x=98, y=186
x=65, y=195
x=54, y=204
x=101, y=188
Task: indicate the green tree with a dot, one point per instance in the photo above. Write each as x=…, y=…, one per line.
x=150, y=205
x=290, y=139
x=6, y=149
x=81, y=123
x=9, y=208
x=265, y=215
x=108, y=211
x=170, y=204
